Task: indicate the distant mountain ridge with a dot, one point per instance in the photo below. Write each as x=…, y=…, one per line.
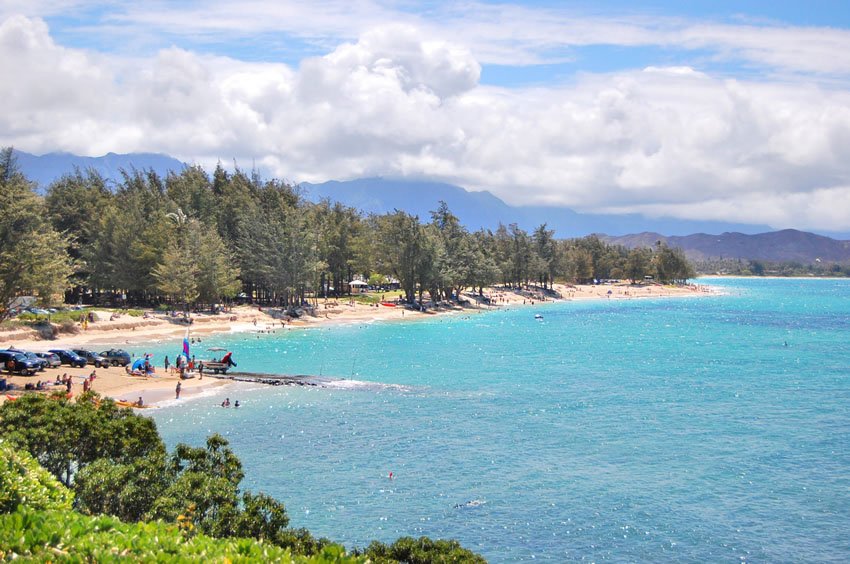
x=44, y=169
x=484, y=210
x=775, y=246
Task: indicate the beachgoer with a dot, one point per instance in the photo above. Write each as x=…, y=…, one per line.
x=200, y=371
x=167, y=363
x=236, y=404
x=140, y=403
x=226, y=402
x=177, y=391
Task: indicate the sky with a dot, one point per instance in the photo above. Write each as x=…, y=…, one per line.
x=709, y=110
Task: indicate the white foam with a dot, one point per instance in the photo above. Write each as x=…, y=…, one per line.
x=364, y=385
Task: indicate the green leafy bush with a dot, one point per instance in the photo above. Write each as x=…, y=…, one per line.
x=24, y=482
x=420, y=551
x=66, y=536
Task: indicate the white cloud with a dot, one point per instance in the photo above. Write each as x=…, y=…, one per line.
x=496, y=33
x=401, y=102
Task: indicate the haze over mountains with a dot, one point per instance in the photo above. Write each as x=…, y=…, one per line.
x=484, y=210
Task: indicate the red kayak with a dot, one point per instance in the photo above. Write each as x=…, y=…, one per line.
x=388, y=304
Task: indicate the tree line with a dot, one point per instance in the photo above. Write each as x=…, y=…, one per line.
x=194, y=238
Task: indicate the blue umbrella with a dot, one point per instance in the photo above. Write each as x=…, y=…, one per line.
x=139, y=364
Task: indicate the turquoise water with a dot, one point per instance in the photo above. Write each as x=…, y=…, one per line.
x=671, y=429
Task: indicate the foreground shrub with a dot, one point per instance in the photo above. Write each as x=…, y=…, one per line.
x=420, y=551
x=66, y=536
x=24, y=482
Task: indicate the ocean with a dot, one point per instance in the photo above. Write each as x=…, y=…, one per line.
x=690, y=429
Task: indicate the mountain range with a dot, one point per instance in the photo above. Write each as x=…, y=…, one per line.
x=485, y=210
x=44, y=169
x=775, y=246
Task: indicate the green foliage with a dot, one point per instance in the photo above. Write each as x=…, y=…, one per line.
x=671, y=265
x=176, y=274
x=127, y=491
x=638, y=264
x=58, y=317
x=65, y=536
x=420, y=551
x=65, y=437
x=33, y=256
x=24, y=482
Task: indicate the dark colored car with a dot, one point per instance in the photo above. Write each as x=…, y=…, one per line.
x=92, y=357
x=42, y=364
x=14, y=361
x=51, y=359
x=69, y=357
x=116, y=357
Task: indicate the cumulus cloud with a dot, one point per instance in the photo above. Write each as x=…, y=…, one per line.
x=399, y=101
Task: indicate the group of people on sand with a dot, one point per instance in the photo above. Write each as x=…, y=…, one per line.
x=65, y=380
x=145, y=368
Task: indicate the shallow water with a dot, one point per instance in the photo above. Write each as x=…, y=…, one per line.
x=666, y=429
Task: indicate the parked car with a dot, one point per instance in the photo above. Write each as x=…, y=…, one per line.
x=14, y=361
x=116, y=357
x=69, y=357
x=42, y=364
x=51, y=358
x=92, y=357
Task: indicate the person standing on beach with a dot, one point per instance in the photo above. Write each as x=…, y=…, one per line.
x=166, y=363
x=177, y=390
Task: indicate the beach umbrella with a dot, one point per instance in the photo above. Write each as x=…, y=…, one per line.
x=139, y=364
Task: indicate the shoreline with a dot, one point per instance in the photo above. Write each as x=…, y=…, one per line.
x=107, y=331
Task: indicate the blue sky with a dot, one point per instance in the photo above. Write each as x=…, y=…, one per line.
x=736, y=111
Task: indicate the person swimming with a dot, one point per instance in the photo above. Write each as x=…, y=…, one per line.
x=471, y=503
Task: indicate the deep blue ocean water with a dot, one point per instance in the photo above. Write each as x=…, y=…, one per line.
x=645, y=430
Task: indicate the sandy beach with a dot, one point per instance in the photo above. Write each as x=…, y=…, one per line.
x=110, y=330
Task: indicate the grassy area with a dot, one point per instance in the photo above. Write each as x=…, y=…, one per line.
x=58, y=317
x=75, y=316
x=375, y=297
